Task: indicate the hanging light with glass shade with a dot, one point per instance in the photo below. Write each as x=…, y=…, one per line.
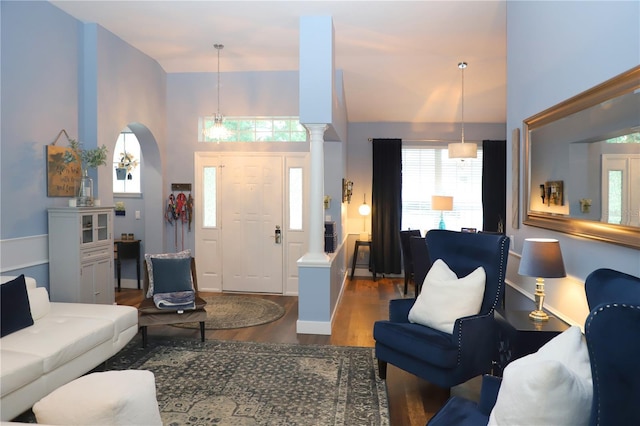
x=462, y=149
x=217, y=131
x=364, y=210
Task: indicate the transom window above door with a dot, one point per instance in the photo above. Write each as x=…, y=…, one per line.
x=254, y=129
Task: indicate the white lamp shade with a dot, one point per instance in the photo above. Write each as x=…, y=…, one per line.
x=364, y=209
x=441, y=202
x=463, y=150
x=541, y=258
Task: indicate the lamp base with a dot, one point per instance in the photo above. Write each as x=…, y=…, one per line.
x=538, y=316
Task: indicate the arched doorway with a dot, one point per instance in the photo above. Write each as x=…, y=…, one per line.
x=144, y=211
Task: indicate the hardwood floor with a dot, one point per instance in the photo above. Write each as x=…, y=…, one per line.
x=412, y=401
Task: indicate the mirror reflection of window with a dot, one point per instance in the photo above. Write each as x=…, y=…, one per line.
x=614, y=206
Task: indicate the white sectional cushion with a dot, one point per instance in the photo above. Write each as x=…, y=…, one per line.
x=18, y=369
x=30, y=281
x=123, y=317
x=38, y=296
x=59, y=339
x=39, y=302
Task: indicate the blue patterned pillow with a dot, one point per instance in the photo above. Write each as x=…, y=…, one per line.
x=147, y=257
x=171, y=275
x=15, y=311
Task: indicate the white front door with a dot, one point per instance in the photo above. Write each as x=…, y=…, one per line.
x=239, y=201
x=251, y=212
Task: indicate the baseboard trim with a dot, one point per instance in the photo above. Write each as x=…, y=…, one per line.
x=313, y=327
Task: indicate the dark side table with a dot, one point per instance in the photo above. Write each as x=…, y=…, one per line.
x=361, y=243
x=127, y=249
x=519, y=336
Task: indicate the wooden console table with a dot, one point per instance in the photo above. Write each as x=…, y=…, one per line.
x=127, y=249
x=362, y=243
x=519, y=336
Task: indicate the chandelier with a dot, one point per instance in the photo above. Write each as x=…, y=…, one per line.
x=461, y=149
x=218, y=131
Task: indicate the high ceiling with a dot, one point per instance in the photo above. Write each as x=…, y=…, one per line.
x=399, y=58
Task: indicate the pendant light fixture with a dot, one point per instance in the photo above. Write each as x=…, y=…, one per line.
x=462, y=149
x=218, y=131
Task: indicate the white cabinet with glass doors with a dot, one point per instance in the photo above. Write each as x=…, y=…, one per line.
x=81, y=255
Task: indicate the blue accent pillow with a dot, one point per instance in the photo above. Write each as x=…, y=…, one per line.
x=15, y=312
x=171, y=275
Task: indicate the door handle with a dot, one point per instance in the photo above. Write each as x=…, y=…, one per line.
x=278, y=235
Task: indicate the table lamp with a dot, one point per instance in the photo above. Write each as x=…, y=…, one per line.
x=442, y=203
x=541, y=258
x=364, y=211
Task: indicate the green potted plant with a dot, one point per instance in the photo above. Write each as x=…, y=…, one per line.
x=88, y=158
x=125, y=165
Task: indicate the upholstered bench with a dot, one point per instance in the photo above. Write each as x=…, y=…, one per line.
x=125, y=397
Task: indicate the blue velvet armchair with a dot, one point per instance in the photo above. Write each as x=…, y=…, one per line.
x=612, y=332
x=446, y=359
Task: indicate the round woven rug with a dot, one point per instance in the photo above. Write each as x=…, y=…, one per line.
x=224, y=312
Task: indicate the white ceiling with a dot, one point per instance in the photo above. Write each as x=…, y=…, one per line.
x=399, y=57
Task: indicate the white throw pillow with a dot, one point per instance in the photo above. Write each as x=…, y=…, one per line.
x=147, y=257
x=550, y=387
x=444, y=297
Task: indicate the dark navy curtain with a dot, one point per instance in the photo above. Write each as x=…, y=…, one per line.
x=494, y=186
x=386, y=205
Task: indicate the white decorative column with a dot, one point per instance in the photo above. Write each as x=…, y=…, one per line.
x=315, y=292
x=316, y=196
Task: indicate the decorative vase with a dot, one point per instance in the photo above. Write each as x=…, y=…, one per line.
x=121, y=173
x=85, y=190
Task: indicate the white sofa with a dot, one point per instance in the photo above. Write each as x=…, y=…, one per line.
x=66, y=341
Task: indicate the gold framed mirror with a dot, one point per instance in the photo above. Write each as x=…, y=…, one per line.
x=589, y=146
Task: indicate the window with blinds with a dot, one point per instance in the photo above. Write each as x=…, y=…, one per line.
x=427, y=171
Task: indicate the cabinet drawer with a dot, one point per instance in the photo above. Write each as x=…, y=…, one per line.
x=96, y=253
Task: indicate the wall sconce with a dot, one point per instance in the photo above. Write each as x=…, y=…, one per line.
x=347, y=190
x=585, y=205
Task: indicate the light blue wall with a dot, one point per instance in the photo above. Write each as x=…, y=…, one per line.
x=577, y=45
x=49, y=83
x=39, y=98
x=131, y=91
x=192, y=95
x=316, y=69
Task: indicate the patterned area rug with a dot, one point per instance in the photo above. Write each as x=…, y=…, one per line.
x=244, y=383
x=225, y=312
